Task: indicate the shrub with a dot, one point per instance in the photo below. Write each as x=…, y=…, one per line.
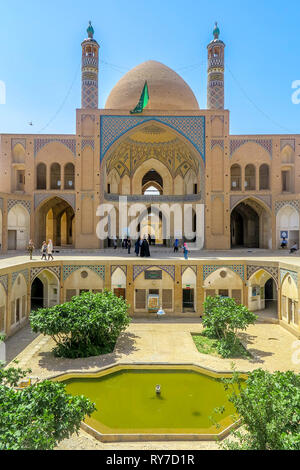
x=37, y=417
x=88, y=325
x=222, y=319
x=269, y=408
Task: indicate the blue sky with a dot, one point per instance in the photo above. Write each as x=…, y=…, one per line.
x=40, y=52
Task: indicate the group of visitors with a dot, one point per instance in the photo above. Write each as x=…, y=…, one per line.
x=284, y=244
x=184, y=247
x=46, y=250
x=126, y=244
x=142, y=248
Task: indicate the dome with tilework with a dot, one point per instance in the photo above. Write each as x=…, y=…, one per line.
x=167, y=90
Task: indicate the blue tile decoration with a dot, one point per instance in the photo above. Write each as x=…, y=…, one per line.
x=23, y=272
x=40, y=143
x=236, y=268
x=4, y=281
x=34, y=272
x=137, y=270
x=293, y=274
x=113, y=127
x=115, y=267
x=69, y=269
x=272, y=270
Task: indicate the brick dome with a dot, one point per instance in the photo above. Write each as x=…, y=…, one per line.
x=167, y=90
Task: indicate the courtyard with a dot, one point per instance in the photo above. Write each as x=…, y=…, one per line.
x=163, y=341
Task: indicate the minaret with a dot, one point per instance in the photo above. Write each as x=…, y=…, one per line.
x=89, y=68
x=215, y=72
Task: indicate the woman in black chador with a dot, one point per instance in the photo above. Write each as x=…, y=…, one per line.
x=145, y=252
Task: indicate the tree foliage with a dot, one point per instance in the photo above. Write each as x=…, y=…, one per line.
x=269, y=408
x=37, y=417
x=88, y=325
x=222, y=320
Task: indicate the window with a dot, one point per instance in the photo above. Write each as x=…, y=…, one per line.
x=41, y=179
x=108, y=188
x=286, y=181
x=236, y=178
x=55, y=176
x=264, y=177
x=152, y=183
x=2, y=314
x=24, y=306
x=69, y=294
x=69, y=176
x=250, y=183
x=167, y=299
x=140, y=299
x=17, y=310
x=237, y=295
x=210, y=293
x=223, y=292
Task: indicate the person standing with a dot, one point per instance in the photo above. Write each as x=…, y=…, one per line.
x=129, y=245
x=50, y=250
x=149, y=239
x=30, y=248
x=115, y=243
x=137, y=247
x=44, y=251
x=176, y=244
x=185, y=251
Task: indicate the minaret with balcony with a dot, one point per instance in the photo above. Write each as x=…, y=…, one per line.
x=90, y=68
x=215, y=72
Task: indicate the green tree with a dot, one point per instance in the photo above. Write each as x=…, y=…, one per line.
x=37, y=417
x=223, y=319
x=88, y=325
x=268, y=406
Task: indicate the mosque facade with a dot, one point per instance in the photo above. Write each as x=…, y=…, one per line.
x=167, y=168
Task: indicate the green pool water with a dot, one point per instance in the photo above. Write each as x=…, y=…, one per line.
x=127, y=403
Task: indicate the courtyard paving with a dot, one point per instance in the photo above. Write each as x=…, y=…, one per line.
x=160, y=341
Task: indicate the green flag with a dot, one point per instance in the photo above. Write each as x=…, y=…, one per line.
x=144, y=99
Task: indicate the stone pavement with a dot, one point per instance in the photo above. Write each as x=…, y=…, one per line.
x=156, y=342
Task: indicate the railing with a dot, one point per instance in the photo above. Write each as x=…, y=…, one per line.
x=152, y=198
x=236, y=183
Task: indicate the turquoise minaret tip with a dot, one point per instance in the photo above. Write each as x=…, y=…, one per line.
x=216, y=31
x=90, y=30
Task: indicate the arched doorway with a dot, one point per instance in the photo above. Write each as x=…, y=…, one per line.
x=151, y=223
x=263, y=294
x=44, y=290
x=37, y=294
x=55, y=220
x=152, y=183
x=250, y=226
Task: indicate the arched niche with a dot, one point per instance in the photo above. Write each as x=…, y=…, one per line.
x=224, y=282
x=287, y=222
x=18, y=301
x=18, y=225
x=82, y=280
x=289, y=301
